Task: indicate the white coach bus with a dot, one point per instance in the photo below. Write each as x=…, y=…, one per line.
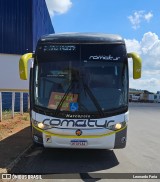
x=79, y=90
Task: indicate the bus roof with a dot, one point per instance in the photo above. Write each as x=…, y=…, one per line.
x=83, y=38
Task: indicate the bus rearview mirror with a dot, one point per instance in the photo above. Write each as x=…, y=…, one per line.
x=137, y=64
x=23, y=65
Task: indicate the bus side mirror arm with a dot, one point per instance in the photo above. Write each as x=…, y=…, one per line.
x=23, y=65
x=137, y=64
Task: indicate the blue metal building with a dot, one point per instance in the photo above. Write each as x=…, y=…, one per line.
x=22, y=22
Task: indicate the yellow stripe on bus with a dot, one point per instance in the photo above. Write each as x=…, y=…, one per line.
x=74, y=136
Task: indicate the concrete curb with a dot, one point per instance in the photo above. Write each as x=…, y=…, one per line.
x=18, y=158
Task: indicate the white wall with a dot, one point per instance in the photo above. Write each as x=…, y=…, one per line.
x=9, y=73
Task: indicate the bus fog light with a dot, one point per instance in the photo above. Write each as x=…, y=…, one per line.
x=118, y=126
x=123, y=139
x=41, y=125
x=35, y=138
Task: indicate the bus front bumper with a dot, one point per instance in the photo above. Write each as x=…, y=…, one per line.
x=115, y=140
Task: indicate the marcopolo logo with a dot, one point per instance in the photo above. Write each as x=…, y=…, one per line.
x=77, y=123
x=79, y=116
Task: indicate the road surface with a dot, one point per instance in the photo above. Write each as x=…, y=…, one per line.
x=141, y=155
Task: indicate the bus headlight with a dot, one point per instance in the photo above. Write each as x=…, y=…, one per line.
x=40, y=125
x=117, y=126
x=43, y=126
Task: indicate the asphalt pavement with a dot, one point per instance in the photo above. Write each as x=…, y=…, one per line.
x=141, y=155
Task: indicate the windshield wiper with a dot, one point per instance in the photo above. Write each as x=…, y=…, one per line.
x=88, y=91
x=63, y=98
x=93, y=98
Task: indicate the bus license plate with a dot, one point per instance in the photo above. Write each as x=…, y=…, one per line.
x=79, y=143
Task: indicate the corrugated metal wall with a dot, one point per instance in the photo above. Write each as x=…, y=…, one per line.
x=22, y=22
x=41, y=21
x=15, y=26
x=7, y=101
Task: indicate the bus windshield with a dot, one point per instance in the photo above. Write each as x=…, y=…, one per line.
x=81, y=78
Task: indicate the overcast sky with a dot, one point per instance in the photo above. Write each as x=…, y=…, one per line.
x=137, y=21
